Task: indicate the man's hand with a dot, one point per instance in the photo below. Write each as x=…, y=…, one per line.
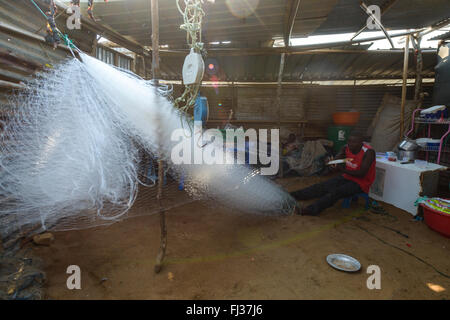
x=329, y=159
x=334, y=167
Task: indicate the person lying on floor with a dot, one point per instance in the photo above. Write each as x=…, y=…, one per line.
x=358, y=174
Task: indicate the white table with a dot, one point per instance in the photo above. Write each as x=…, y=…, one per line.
x=401, y=184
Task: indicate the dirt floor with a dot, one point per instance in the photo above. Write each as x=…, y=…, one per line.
x=214, y=253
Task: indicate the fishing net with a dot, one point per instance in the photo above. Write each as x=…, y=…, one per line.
x=84, y=137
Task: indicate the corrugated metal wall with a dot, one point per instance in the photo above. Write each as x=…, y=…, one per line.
x=255, y=106
x=22, y=49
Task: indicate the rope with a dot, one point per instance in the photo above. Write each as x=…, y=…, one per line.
x=192, y=17
x=39, y=8
x=69, y=43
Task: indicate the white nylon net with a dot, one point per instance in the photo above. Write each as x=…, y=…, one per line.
x=72, y=154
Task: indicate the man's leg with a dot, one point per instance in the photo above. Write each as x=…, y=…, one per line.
x=345, y=189
x=319, y=190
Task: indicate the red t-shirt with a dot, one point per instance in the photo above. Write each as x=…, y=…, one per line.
x=364, y=182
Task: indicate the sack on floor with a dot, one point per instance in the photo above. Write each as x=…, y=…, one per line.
x=441, y=95
x=385, y=127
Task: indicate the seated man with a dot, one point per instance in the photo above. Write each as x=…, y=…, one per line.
x=358, y=175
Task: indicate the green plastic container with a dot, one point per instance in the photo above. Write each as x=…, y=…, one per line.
x=339, y=135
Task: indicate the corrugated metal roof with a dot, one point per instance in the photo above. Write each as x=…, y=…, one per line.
x=224, y=20
x=445, y=36
x=23, y=50
x=347, y=16
x=27, y=54
x=233, y=21
x=303, y=67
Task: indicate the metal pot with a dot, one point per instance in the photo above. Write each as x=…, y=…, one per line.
x=408, y=145
x=406, y=155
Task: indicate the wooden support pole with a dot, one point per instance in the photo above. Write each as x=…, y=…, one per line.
x=116, y=59
x=278, y=103
x=133, y=63
x=404, y=88
x=144, y=67
x=162, y=220
x=155, y=75
x=155, y=39
x=419, y=68
x=94, y=46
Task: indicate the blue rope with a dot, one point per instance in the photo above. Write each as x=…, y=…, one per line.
x=32, y=1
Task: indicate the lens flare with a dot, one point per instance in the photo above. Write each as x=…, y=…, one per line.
x=212, y=66
x=242, y=8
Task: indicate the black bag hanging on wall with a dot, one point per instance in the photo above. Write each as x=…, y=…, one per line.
x=441, y=94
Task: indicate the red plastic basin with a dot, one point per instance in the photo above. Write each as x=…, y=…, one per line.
x=437, y=221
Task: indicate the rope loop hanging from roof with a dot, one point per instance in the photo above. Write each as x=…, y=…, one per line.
x=192, y=23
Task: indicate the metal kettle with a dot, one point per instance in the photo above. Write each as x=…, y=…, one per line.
x=408, y=145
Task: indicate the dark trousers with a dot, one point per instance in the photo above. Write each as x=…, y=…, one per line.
x=329, y=192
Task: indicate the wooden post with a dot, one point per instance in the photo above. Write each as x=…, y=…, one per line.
x=278, y=102
x=144, y=67
x=133, y=63
x=419, y=69
x=155, y=39
x=116, y=59
x=94, y=46
x=155, y=75
x=404, y=88
x=162, y=220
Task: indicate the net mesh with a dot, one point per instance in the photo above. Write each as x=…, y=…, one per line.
x=82, y=138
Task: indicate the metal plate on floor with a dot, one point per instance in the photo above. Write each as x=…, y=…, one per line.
x=343, y=262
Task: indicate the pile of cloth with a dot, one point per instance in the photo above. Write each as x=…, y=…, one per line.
x=308, y=158
x=441, y=205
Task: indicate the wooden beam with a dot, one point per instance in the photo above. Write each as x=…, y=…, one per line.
x=404, y=87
